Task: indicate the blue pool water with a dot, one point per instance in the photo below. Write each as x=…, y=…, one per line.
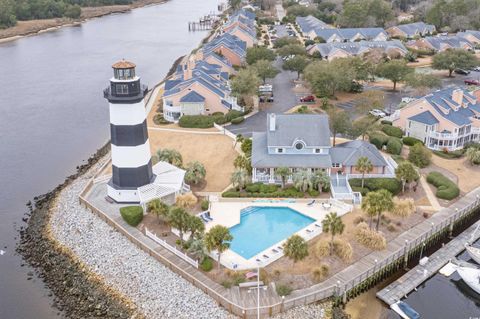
x=262, y=227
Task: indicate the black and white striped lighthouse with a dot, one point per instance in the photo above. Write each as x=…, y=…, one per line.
x=131, y=157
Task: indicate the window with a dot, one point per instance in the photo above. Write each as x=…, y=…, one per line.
x=409, y=124
x=121, y=88
x=279, y=150
x=318, y=150
x=336, y=165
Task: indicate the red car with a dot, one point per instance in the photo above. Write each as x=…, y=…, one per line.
x=472, y=82
x=308, y=98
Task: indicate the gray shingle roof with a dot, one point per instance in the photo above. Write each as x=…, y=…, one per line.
x=311, y=129
x=356, y=48
x=348, y=153
x=192, y=97
x=262, y=159
x=425, y=118
x=420, y=28
x=309, y=23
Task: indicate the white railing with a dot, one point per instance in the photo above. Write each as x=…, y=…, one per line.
x=390, y=175
x=185, y=188
x=172, y=249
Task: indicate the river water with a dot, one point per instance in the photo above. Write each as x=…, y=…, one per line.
x=53, y=115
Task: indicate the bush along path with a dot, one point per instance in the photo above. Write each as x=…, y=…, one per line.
x=78, y=292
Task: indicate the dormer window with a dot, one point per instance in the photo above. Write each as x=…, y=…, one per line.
x=279, y=150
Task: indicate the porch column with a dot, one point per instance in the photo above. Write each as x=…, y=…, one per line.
x=290, y=177
x=254, y=175
x=272, y=175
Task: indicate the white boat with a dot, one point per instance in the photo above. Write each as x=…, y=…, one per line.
x=474, y=253
x=471, y=276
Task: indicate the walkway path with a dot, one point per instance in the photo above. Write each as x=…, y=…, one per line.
x=431, y=197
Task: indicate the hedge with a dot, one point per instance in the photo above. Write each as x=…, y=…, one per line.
x=290, y=192
x=378, y=140
x=133, y=215
x=196, y=121
x=446, y=189
x=410, y=141
x=449, y=155
x=373, y=184
x=394, y=146
x=207, y=264
x=238, y=120
x=392, y=130
x=386, y=122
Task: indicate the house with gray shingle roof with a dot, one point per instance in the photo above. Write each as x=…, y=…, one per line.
x=309, y=23
x=302, y=142
x=330, y=51
x=411, y=30
x=473, y=36
x=445, y=119
x=439, y=44
x=348, y=34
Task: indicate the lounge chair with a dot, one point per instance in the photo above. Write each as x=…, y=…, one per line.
x=207, y=216
x=311, y=203
x=205, y=220
x=309, y=231
x=280, y=248
x=258, y=260
x=265, y=256
x=274, y=250
x=317, y=225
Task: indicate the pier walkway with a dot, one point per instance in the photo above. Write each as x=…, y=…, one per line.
x=416, y=276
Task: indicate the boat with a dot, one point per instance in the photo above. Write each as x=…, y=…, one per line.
x=471, y=276
x=404, y=310
x=474, y=253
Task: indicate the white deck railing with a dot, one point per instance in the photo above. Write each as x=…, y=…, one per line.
x=172, y=249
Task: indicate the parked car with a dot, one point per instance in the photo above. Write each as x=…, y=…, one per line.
x=476, y=69
x=308, y=98
x=265, y=88
x=264, y=99
x=377, y=113
x=462, y=71
x=471, y=82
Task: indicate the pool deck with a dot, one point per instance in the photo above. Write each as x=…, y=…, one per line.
x=226, y=212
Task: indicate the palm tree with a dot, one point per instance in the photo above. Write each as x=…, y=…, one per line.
x=197, y=249
x=333, y=224
x=375, y=203
x=406, y=173
x=195, y=226
x=295, y=248
x=158, y=208
x=283, y=172
x=218, y=238
x=364, y=166
x=195, y=172
x=239, y=178
x=179, y=219
x=320, y=180
x=170, y=156
x=241, y=162
x=302, y=180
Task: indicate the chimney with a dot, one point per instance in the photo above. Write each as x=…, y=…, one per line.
x=272, y=123
x=457, y=96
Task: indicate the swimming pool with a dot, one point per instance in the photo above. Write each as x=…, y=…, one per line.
x=263, y=227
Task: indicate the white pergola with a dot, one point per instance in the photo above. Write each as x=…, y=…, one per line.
x=168, y=180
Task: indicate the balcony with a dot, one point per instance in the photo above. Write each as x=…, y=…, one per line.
x=126, y=98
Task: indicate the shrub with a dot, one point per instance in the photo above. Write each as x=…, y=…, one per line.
x=379, y=140
x=283, y=290
x=370, y=238
x=392, y=130
x=446, y=189
x=393, y=185
x=207, y=264
x=391, y=228
x=419, y=155
x=449, y=155
x=238, y=120
x=247, y=146
x=187, y=200
x=403, y=207
x=343, y=249
x=160, y=120
x=320, y=273
x=226, y=284
x=410, y=141
x=322, y=248
x=386, y=122
x=196, y=121
x=232, y=114
x=394, y=146
x=364, y=191
x=359, y=219
x=398, y=158
x=133, y=215
x=205, y=204
x=313, y=193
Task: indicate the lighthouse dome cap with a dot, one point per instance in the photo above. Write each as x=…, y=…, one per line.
x=123, y=65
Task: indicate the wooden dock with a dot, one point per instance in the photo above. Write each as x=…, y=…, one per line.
x=416, y=276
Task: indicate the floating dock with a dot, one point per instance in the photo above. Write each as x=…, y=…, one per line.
x=417, y=275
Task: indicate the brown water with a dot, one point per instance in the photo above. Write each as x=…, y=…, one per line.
x=53, y=115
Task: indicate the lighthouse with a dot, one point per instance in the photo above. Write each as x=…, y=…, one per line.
x=131, y=157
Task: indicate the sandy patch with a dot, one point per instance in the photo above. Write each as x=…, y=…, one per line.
x=467, y=174
x=215, y=152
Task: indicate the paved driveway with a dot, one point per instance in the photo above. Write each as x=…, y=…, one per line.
x=284, y=96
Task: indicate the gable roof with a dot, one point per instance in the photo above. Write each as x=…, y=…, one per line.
x=441, y=43
x=309, y=23
x=348, y=34
x=425, y=118
x=348, y=153
x=474, y=33
x=313, y=130
x=192, y=97
x=228, y=40
x=356, y=48
x=412, y=29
